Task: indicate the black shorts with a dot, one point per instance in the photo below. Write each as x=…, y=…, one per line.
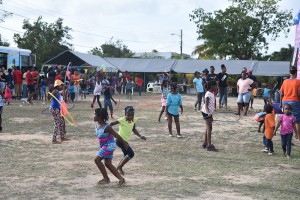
x=31, y=88
x=171, y=115
x=205, y=116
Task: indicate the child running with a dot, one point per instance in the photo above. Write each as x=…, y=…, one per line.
x=287, y=123
x=126, y=127
x=164, y=95
x=55, y=111
x=207, y=111
x=173, y=101
x=105, y=135
x=97, y=92
x=269, y=128
x=107, y=100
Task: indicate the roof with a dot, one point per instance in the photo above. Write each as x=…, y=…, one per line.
x=259, y=68
x=79, y=59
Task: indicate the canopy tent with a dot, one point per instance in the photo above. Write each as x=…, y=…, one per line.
x=259, y=68
x=142, y=65
x=80, y=59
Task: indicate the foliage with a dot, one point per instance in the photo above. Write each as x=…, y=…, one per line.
x=3, y=42
x=43, y=39
x=240, y=30
x=284, y=54
x=112, y=49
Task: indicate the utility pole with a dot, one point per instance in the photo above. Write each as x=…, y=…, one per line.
x=181, y=43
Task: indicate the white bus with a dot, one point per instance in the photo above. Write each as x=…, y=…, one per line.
x=11, y=57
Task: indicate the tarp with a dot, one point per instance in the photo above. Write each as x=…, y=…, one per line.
x=80, y=59
x=259, y=68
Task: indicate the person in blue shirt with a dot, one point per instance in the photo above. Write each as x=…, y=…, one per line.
x=266, y=95
x=173, y=102
x=72, y=91
x=198, y=85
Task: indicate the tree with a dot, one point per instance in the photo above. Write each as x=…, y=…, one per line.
x=112, y=49
x=43, y=39
x=204, y=52
x=3, y=42
x=284, y=54
x=240, y=30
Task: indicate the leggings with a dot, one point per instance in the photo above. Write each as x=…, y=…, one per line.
x=58, y=123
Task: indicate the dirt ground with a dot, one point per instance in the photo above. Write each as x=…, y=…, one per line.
x=163, y=167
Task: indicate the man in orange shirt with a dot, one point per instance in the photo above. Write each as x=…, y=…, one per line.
x=269, y=127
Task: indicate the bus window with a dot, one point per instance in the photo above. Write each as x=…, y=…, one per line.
x=3, y=60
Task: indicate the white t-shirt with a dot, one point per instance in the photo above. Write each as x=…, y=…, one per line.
x=98, y=89
x=211, y=103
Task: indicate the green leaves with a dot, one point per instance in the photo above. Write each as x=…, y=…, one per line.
x=240, y=30
x=43, y=39
x=112, y=49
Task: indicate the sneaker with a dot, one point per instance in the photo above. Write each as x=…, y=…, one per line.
x=179, y=136
x=270, y=153
x=211, y=148
x=171, y=135
x=266, y=150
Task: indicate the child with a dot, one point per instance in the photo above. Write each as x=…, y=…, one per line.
x=126, y=127
x=105, y=135
x=97, y=92
x=207, y=111
x=287, y=123
x=164, y=95
x=55, y=111
x=269, y=128
x=173, y=101
x=129, y=87
x=198, y=85
x=7, y=94
x=43, y=88
x=1, y=108
x=253, y=95
x=266, y=95
x=107, y=100
x=72, y=91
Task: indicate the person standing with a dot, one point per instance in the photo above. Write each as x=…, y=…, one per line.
x=198, y=85
x=17, y=75
x=290, y=94
x=212, y=77
x=244, y=86
x=30, y=84
x=139, y=82
x=75, y=79
x=222, y=80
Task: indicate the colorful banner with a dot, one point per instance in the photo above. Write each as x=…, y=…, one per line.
x=296, y=57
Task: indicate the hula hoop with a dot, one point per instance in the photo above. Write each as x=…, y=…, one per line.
x=67, y=113
x=216, y=120
x=116, y=91
x=46, y=110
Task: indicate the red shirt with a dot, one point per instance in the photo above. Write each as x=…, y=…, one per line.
x=18, y=77
x=139, y=82
x=29, y=78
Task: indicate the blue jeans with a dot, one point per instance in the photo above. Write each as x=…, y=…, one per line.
x=286, y=141
x=127, y=153
x=270, y=145
x=264, y=140
x=223, y=95
x=25, y=91
x=107, y=103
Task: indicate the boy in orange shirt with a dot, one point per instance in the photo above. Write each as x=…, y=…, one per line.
x=269, y=127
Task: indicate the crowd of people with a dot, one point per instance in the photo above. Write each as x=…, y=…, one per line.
x=60, y=86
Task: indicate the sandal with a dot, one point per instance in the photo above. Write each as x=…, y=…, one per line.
x=121, y=183
x=104, y=181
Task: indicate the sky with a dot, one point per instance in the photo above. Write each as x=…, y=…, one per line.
x=142, y=25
